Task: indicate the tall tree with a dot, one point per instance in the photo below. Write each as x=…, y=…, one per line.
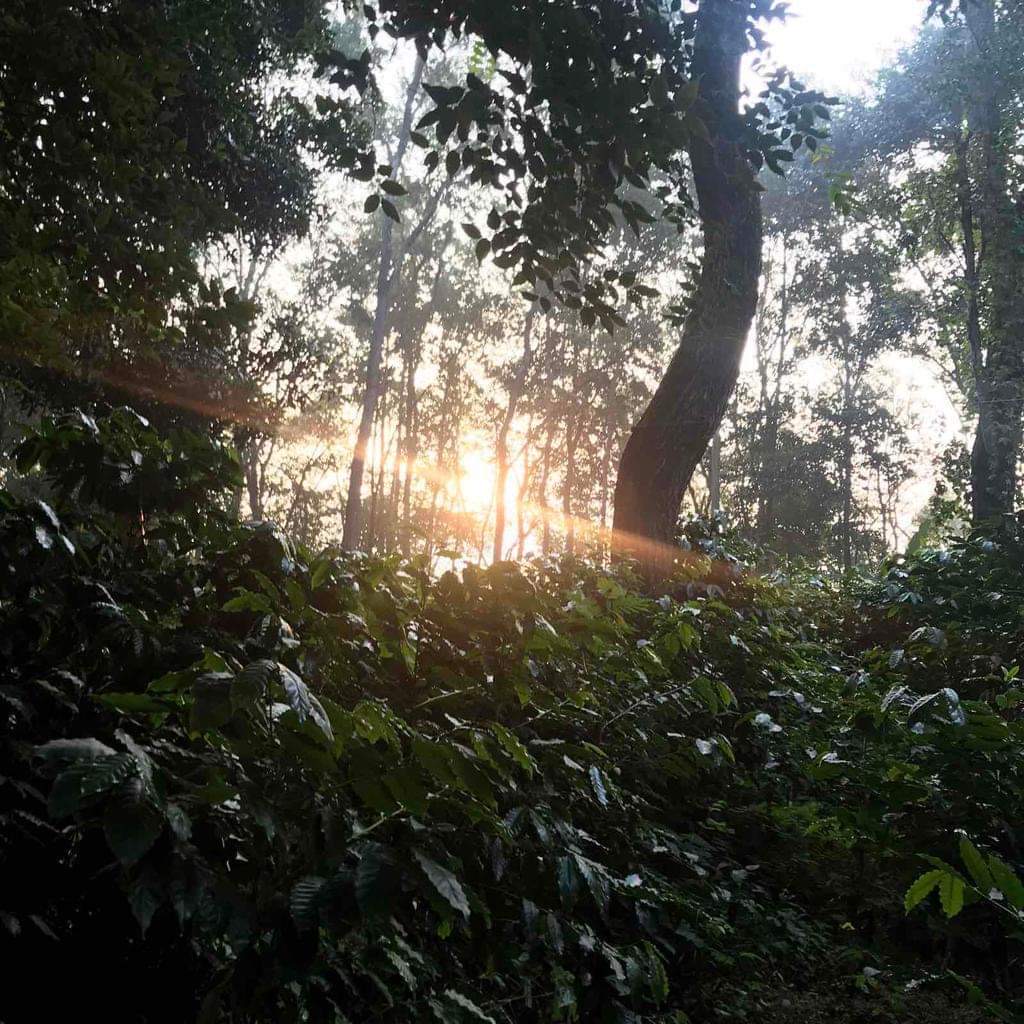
x=598, y=95
x=947, y=131
x=995, y=37
x=671, y=436
x=134, y=136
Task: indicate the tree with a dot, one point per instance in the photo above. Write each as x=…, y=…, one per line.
x=947, y=129
x=599, y=95
x=671, y=436
x=130, y=147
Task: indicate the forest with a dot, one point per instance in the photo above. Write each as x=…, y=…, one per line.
x=512, y=511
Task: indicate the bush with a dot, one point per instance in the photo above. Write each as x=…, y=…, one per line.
x=241, y=781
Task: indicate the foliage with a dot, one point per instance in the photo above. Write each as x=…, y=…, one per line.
x=135, y=135
x=263, y=784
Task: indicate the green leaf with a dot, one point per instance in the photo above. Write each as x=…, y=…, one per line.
x=513, y=747
x=377, y=883
x=211, y=701
x=920, y=889
x=83, y=783
x=951, y=894
x=407, y=788
x=468, y=1006
x=444, y=882
x=134, y=703
x=131, y=827
x=1006, y=881
x=390, y=210
x=252, y=683
x=70, y=750
x=975, y=864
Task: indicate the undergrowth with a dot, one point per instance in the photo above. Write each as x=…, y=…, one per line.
x=244, y=781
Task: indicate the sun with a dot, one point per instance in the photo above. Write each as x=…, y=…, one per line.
x=476, y=481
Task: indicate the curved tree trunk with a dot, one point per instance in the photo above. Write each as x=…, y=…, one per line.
x=673, y=433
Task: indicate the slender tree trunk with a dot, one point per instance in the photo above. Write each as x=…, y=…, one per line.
x=605, y=473
x=514, y=394
x=412, y=354
x=768, y=481
x=545, y=515
x=387, y=272
x=671, y=436
x=715, y=474
x=1000, y=389
x=569, y=483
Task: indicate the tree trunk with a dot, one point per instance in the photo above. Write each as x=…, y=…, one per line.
x=514, y=394
x=573, y=431
x=715, y=475
x=667, y=443
x=387, y=272
x=545, y=513
x=1000, y=384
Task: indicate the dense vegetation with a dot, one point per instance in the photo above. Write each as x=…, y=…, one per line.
x=244, y=781
x=313, y=317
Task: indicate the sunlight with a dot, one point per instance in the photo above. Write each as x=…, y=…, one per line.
x=837, y=45
x=475, y=481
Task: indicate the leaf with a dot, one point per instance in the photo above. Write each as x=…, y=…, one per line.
x=377, y=880
x=1007, y=882
x=598, y=785
x=567, y=878
x=252, y=683
x=407, y=788
x=975, y=864
x=921, y=888
x=597, y=880
x=951, y=894
x=302, y=702
x=393, y=188
x=85, y=749
x=444, y=882
x=211, y=701
x=372, y=202
x=657, y=976
x=390, y=210
x=134, y=703
x=145, y=897
x=83, y=783
x=131, y=827
x=435, y=758
x=513, y=747
x=468, y=1005
x=304, y=902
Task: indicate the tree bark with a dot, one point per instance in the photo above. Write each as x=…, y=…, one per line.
x=667, y=443
x=515, y=392
x=1000, y=383
x=715, y=475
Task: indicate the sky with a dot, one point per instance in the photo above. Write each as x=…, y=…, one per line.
x=837, y=45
